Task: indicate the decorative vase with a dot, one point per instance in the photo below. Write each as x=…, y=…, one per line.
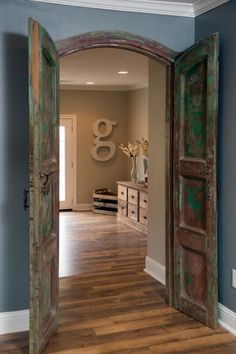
x=134, y=173
x=145, y=170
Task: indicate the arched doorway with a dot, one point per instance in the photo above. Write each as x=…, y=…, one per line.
x=166, y=56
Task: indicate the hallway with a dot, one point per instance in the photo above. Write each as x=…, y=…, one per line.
x=109, y=304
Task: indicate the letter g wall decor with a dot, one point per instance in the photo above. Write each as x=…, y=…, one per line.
x=103, y=144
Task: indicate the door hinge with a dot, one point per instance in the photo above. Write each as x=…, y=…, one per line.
x=26, y=202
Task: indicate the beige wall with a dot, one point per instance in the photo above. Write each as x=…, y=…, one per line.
x=137, y=122
x=156, y=168
x=90, y=106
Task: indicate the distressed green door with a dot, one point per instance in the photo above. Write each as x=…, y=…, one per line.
x=195, y=197
x=44, y=177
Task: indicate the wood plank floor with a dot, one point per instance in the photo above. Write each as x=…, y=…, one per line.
x=109, y=305
x=92, y=243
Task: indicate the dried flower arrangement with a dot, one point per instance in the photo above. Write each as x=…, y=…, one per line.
x=130, y=150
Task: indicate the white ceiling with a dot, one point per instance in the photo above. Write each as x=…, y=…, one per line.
x=187, y=8
x=101, y=66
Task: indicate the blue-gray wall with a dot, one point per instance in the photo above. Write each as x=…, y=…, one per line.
x=223, y=20
x=61, y=22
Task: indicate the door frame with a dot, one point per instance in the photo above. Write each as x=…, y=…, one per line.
x=73, y=117
x=166, y=56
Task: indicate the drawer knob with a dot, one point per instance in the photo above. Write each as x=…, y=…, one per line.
x=145, y=217
x=122, y=207
x=132, y=196
x=145, y=201
x=122, y=192
x=132, y=212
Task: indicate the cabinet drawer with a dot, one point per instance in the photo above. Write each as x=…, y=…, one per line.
x=122, y=192
x=143, y=217
x=143, y=199
x=133, y=196
x=133, y=212
x=122, y=207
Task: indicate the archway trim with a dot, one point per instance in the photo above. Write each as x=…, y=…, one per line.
x=122, y=40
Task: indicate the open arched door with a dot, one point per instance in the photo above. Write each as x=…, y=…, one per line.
x=193, y=238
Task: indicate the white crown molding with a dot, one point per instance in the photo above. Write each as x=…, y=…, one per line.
x=156, y=270
x=203, y=6
x=170, y=8
x=17, y=321
x=148, y=6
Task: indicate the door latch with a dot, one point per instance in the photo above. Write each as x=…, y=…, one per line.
x=44, y=177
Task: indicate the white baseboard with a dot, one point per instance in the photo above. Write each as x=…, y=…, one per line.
x=156, y=270
x=227, y=318
x=84, y=207
x=17, y=321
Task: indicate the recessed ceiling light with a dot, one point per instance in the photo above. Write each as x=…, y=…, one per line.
x=122, y=72
x=90, y=83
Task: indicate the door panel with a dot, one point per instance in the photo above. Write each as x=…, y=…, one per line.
x=195, y=214
x=44, y=186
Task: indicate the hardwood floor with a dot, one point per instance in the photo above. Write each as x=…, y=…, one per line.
x=111, y=305
x=91, y=243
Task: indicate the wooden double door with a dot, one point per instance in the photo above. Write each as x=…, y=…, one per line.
x=193, y=237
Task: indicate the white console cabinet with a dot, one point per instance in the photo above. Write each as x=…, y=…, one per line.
x=133, y=205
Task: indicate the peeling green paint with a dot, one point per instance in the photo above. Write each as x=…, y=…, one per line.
x=194, y=201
